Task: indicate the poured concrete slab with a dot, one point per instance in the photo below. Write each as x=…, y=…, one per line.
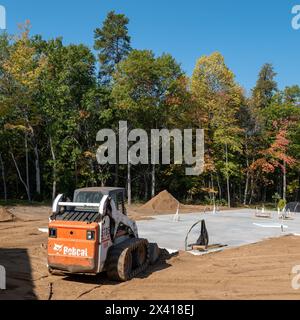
x=232, y=228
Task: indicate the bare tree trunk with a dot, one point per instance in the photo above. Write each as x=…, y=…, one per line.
x=153, y=181
x=209, y=189
x=93, y=172
x=54, y=173
x=213, y=188
x=3, y=177
x=146, y=186
x=129, y=183
x=37, y=157
x=227, y=177
x=37, y=169
x=252, y=190
x=20, y=176
x=219, y=187
x=251, y=186
x=228, y=191
x=117, y=165
x=284, y=181
x=76, y=173
x=27, y=162
x=247, y=184
x=265, y=194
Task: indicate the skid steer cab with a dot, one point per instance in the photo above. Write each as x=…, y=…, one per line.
x=93, y=234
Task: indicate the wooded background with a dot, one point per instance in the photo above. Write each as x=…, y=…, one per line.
x=54, y=98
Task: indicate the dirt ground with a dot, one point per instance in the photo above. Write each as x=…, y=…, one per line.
x=258, y=271
x=136, y=212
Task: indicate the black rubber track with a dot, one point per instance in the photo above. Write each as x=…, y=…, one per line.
x=117, y=256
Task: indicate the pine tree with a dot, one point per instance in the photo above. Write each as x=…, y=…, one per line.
x=113, y=43
x=265, y=87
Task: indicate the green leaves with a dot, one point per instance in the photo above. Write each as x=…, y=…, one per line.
x=52, y=104
x=113, y=43
x=217, y=102
x=265, y=87
x=144, y=85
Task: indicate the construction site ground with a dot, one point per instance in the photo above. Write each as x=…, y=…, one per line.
x=230, y=228
x=261, y=270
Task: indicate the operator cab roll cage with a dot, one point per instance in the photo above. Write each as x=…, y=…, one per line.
x=88, y=212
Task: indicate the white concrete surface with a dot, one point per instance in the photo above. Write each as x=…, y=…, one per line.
x=232, y=228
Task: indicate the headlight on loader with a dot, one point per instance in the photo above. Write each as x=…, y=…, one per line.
x=52, y=233
x=90, y=235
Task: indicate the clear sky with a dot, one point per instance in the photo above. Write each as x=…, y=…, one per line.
x=247, y=33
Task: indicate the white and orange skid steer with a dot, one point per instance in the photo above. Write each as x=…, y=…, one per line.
x=93, y=234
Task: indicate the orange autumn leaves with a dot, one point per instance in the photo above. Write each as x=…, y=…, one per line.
x=276, y=155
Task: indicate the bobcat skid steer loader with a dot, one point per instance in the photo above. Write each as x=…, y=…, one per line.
x=93, y=234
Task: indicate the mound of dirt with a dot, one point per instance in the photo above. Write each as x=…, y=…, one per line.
x=163, y=202
x=5, y=215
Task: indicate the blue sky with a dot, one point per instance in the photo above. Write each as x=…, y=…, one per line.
x=247, y=33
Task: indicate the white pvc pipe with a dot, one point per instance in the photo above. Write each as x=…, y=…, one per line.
x=270, y=225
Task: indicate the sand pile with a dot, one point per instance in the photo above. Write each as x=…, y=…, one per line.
x=5, y=215
x=163, y=202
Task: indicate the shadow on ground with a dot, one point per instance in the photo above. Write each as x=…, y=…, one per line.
x=19, y=284
x=161, y=264
x=102, y=279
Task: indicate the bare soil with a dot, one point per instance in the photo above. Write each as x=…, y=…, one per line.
x=258, y=271
x=166, y=203
x=5, y=215
x=163, y=202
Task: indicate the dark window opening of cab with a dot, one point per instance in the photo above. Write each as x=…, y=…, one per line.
x=88, y=197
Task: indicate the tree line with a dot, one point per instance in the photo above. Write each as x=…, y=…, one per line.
x=54, y=98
